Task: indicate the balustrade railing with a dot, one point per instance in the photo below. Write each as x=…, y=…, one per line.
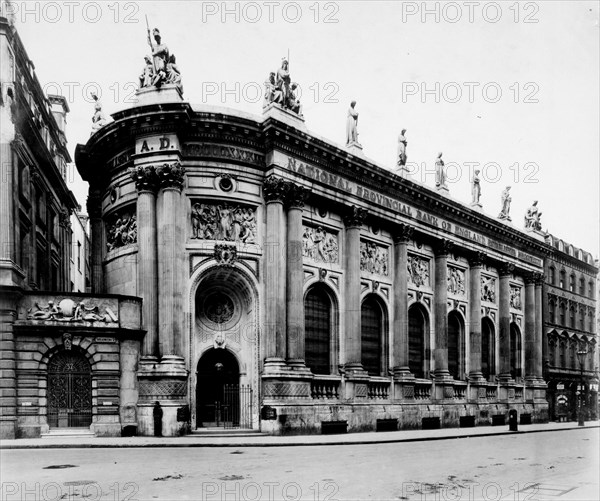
x=378, y=389
x=422, y=390
x=325, y=389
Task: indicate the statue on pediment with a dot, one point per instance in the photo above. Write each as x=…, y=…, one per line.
x=505, y=210
x=440, y=173
x=402, y=144
x=98, y=120
x=352, y=126
x=532, y=217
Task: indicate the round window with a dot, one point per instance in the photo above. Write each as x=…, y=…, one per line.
x=226, y=184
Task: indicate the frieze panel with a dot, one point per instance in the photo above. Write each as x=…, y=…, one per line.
x=72, y=311
x=418, y=270
x=232, y=223
x=121, y=230
x=456, y=281
x=488, y=289
x=219, y=151
x=374, y=258
x=320, y=245
x=515, y=298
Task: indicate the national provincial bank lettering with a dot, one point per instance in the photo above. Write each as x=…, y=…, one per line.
x=372, y=196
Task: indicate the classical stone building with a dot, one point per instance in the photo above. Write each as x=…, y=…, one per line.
x=291, y=285
x=66, y=359
x=571, y=338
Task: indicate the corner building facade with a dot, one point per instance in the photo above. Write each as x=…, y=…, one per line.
x=291, y=286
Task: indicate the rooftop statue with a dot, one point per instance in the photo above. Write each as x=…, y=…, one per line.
x=98, y=120
x=280, y=89
x=532, y=217
x=440, y=173
x=160, y=68
x=475, y=188
x=506, y=199
x=402, y=144
x=351, y=126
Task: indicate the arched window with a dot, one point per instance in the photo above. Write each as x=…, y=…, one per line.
x=552, y=312
x=572, y=317
x=455, y=335
x=572, y=282
x=562, y=281
x=318, y=330
x=563, y=355
x=552, y=275
x=488, y=345
x=572, y=355
x=591, y=289
x=371, y=322
x=582, y=286
x=561, y=310
x=417, y=331
x=582, y=318
x=515, y=351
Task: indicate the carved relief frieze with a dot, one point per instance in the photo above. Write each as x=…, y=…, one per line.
x=374, y=258
x=488, y=289
x=320, y=245
x=121, y=230
x=229, y=222
x=515, y=298
x=418, y=270
x=456, y=281
x=72, y=311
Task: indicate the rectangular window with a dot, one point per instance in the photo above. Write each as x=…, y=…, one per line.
x=79, y=256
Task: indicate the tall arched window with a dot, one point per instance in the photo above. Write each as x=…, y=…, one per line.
x=572, y=356
x=371, y=322
x=561, y=310
x=582, y=286
x=572, y=317
x=582, y=318
x=591, y=289
x=515, y=351
x=572, y=282
x=455, y=334
x=563, y=355
x=562, y=282
x=417, y=331
x=488, y=345
x=552, y=312
x=552, y=275
x=318, y=330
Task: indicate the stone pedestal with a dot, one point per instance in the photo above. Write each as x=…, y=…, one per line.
x=477, y=206
x=355, y=149
x=275, y=111
x=168, y=93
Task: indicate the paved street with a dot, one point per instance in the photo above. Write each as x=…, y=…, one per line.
x=560, y=465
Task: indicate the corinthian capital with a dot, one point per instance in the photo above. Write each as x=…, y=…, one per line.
x=171, y=175
x=296, y=196
x=145, y=177
x=275, y=189
x=403, y=234
x=355, y=217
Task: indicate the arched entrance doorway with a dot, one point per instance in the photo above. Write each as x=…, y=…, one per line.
x=219, y=401
x=69, y=390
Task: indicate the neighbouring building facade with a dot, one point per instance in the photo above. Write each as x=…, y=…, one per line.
x=66, y=359
x=80, y=253
x=571, y=337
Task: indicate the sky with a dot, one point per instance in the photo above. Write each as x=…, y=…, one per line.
x=510, y=88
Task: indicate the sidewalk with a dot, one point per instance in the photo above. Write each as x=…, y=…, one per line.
x=259, y=440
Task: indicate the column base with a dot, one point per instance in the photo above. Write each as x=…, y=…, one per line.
x=403, y=374
x=275, y=365
x=355, y=370
x=442, y=375
x=476, y=377
x=173, y=365
x=298, y=366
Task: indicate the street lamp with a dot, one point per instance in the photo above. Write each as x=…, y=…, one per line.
x=581, y=356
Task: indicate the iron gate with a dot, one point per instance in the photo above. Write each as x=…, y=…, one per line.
x=236, y=409
x=69, y=391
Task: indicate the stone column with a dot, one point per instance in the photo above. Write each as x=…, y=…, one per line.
x=295, y=279
x=476, y=262
x=146, y=181
x=94, y=209
x=400, y=327
x=530, y=326
x=274, y=191
x=539, y=328
x=505, y=273
x=440, y=351
x=170, y=250
x=9, y=299
x=351, y=308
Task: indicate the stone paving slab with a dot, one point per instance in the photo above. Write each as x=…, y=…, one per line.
x=260, y=440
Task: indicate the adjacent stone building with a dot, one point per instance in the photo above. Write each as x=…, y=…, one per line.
x=571, y=338
x=67, y=360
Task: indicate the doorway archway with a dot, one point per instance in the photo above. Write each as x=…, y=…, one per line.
x=218, y=390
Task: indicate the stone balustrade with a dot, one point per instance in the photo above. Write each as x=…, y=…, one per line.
x=325, y=388
x=378, y=389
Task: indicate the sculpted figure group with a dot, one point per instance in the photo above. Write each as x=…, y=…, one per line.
x=281, y=90
x=224, y=222
x=160, y=68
